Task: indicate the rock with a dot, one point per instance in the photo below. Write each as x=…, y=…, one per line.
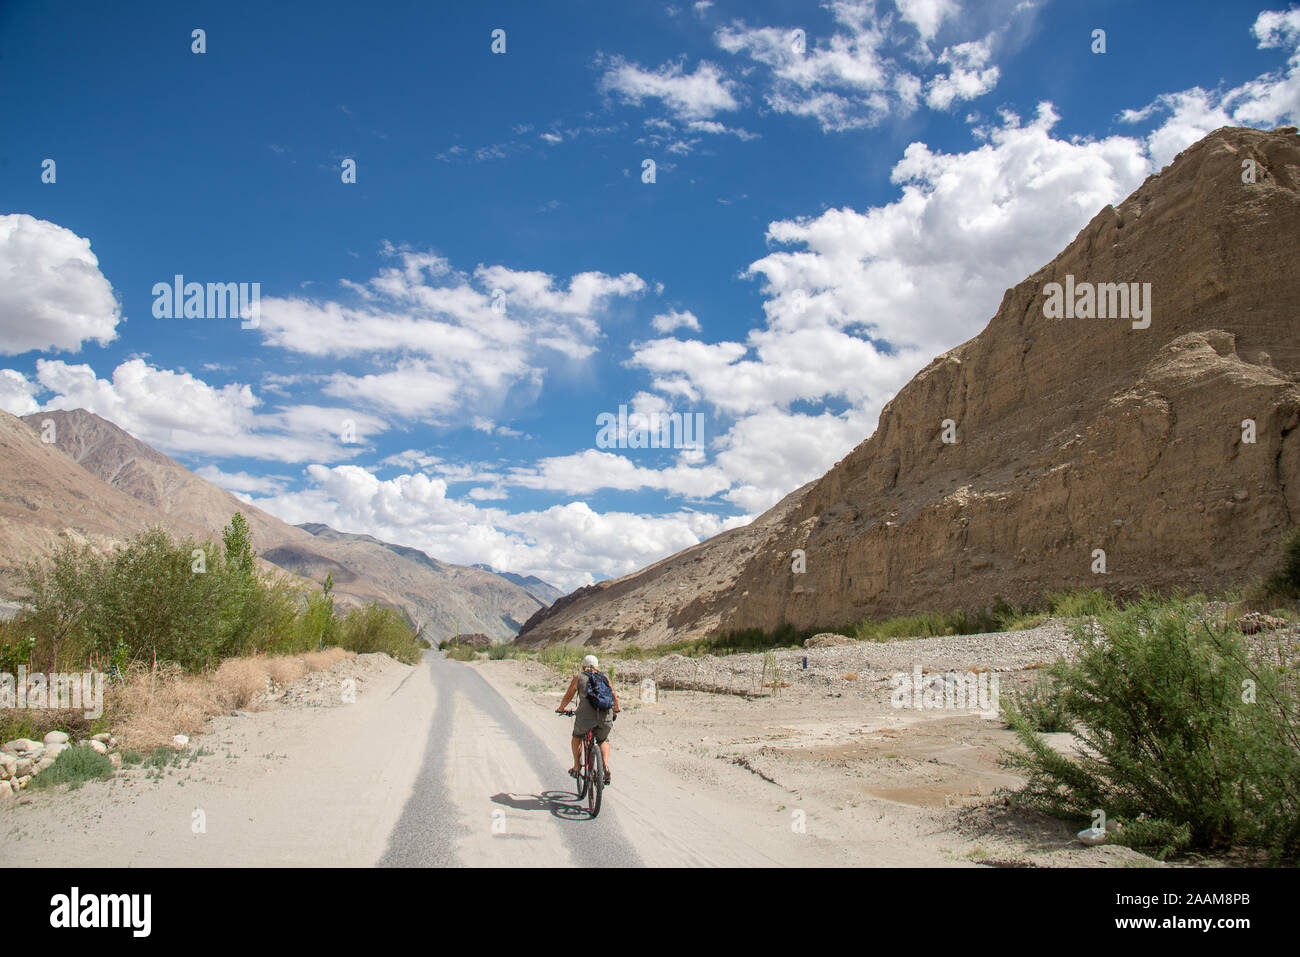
x=112, y=742
x=23, y=781
x=827, y=639
x=24, y=767
x=54, y=750
x=1255, y=622
x=116, y=759
x=105, y=737
x=99, y=747
x=8, y=764
x=6, y=789
x=42, y=764
x=20, y=745
x=1092, y=836
x=56, y=737
x=180, y=740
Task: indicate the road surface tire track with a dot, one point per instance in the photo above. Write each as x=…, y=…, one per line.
x=431, y=825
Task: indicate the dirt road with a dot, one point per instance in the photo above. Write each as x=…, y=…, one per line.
x=454, y=764
x=433, y=765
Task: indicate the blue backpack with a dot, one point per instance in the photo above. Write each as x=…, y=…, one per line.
x=599, y=693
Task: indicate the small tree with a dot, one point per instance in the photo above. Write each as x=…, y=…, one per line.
x=238, y=540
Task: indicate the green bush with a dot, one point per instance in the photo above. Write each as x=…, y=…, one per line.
x=1082, y=603
x=376, y=629
x=184, y=602
x=1040, y=706
x=784, y=635
x=1158, y=838
x=461, y=653
x=1157, y=697
x=75, y=766
x=1285, y=582
x=562, y=658
x=154, y=598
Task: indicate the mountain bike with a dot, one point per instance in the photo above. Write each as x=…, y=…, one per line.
x=591, y=772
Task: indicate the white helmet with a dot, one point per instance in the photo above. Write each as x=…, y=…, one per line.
x=590, y=662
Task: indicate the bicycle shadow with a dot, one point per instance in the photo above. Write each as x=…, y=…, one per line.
x=561, y=804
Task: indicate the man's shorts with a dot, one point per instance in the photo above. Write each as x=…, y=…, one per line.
x=584, y=723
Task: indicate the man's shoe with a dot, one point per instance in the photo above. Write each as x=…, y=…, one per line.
x=606, y=779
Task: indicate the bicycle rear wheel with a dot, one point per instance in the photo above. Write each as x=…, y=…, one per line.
x=596, y=784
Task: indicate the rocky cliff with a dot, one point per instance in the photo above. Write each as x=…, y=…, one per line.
x=1010, y=464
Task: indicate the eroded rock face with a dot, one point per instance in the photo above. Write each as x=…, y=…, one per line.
x=1072, y=436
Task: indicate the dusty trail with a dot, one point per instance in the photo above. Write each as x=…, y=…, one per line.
x=491, y=791
x=455, y=764
x=431, y=766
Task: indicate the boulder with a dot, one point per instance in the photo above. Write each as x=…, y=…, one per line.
x=827, y=639
x=180, y=740
x=99, y=747
x=20, y=745
x=1255, y=622
x=6, y=789
x=1092, y=836
x=105, y=737
x=42, y=764
x=56, y=737
x=24, y=767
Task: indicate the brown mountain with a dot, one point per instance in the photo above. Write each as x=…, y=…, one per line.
x=1072, y=435
x=98, y=480
x=47, y=499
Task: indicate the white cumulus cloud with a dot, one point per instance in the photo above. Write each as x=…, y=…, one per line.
x=52, y=294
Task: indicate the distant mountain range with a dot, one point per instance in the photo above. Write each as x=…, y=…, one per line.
x=543, y=591
x=97, y=483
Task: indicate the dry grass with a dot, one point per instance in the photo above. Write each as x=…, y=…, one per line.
x=150, y=706
x=319, y=660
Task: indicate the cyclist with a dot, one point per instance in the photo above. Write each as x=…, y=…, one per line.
x=587, y=716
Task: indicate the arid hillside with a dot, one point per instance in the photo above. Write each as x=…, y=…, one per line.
x=97, y=482
x=1018, y=461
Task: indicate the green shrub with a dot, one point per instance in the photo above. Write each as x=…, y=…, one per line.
x=1157, y=697
x=75, y=766
x=1158, y=838
x=1040, y=706
x=183, y=602
x=461, y=653
x=1285, y=582
x=152, y=598
x=1082, y=603
x=375, y=629
x=562, y=658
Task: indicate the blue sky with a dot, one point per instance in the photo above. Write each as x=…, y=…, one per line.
x=829, y=211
